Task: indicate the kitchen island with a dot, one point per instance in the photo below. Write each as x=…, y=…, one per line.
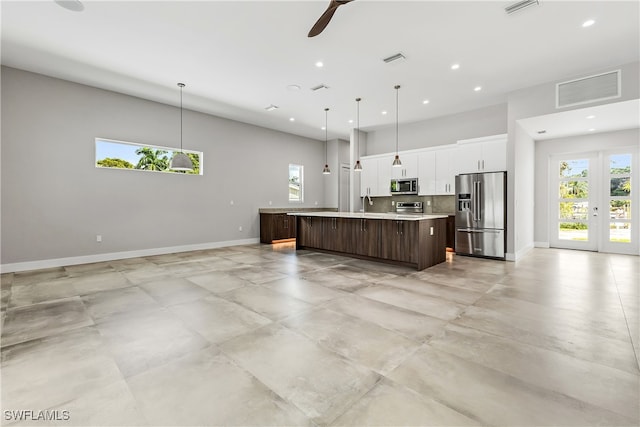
x=418, y=241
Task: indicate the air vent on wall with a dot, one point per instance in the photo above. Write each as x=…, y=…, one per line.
x=588, y=89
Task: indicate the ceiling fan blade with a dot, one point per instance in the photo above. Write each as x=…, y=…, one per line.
x=323, y=21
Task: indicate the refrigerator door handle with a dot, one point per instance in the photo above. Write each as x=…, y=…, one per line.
x=479, y=201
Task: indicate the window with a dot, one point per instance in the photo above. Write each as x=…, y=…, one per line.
x=128, y=155
x=295, y=183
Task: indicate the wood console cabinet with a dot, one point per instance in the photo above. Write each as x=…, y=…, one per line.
x=276, y=226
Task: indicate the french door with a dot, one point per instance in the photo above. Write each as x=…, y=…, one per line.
x=591, y=201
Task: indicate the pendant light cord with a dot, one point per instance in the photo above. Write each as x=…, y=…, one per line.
x=326, y=152
x=397, y=87
x=358, y=127
x=181, y=85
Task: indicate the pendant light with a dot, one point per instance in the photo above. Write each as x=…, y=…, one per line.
x=326, y=170
x=358, y=166
x=180, y=161
x=396, y=162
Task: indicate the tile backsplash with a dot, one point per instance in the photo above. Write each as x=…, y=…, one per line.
x=438, y=204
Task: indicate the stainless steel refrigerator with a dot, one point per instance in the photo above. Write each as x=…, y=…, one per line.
x=481, y=214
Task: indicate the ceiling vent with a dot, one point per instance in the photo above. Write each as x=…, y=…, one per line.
x=393, y=58
x=588, y=89
x=271, y=107
x=520, y=5
x=319, y=87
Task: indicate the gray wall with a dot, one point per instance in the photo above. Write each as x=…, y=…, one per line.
x=337, y=153
x=574, y=144
x=440, y=130
x=55, y=201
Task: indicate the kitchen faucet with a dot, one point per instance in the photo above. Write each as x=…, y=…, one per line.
x=364, y=210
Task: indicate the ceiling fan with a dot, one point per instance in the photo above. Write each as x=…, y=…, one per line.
x=322, y=23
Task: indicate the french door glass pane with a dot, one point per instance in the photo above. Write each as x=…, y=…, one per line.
x=619, y=164
x=572, y=210
x=620, y=232
x=621, y=186
x=573, y=231
x=620, y=209
x=574, y=168
x=574, y=189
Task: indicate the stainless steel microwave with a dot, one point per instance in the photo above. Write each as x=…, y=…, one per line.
x=404, y=186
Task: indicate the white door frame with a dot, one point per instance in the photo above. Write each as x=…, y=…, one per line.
x=599, y=220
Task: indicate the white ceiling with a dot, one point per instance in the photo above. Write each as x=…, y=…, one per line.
x=237, y=57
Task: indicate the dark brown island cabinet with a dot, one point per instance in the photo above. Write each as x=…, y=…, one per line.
x=419, y=243
x=276, y=227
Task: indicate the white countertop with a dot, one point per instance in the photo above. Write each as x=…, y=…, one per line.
x=357, y=215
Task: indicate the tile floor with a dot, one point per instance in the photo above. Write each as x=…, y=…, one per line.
x=262, y=335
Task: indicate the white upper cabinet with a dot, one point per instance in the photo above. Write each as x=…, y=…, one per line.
x=375, y=178
x=488, y=154
x=427, y=173
x=368, y=177
x=384, y=176
x=445, y=170
x=409, y=168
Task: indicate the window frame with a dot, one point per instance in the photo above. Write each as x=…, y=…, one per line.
x=300, y=198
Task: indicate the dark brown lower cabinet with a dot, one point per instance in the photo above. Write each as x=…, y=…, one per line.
x=400, y=241
x=420, y=243
x=451, y=231
x=365, y=237
x=278, y=226
x=309, y=230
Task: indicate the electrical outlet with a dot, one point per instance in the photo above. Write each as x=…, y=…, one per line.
x=316, y=203
x=240, y=228
x=231, y=203
x=99, y=238
x=431, y=231
x=428, y=202
x=270, y=203
x=393, y=203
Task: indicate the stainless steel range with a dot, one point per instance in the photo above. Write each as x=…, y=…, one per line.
x=405, y=208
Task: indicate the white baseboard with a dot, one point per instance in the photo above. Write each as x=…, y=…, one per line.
x=541, y=245
x=518, y=255
x=88, y=259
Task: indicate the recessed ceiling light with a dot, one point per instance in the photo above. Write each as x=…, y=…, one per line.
x=293, y=87
x=292, y=119
x=73, y=5
x=477, y=88
x=426, y=101
x=455, y=66
x=319, y=64
x=591, y=117
x=588, y=23
x=384, y=112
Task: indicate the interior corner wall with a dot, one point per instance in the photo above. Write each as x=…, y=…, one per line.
x=524, y=152
x=55, y=201
x=440, y=130
x=574, y=144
